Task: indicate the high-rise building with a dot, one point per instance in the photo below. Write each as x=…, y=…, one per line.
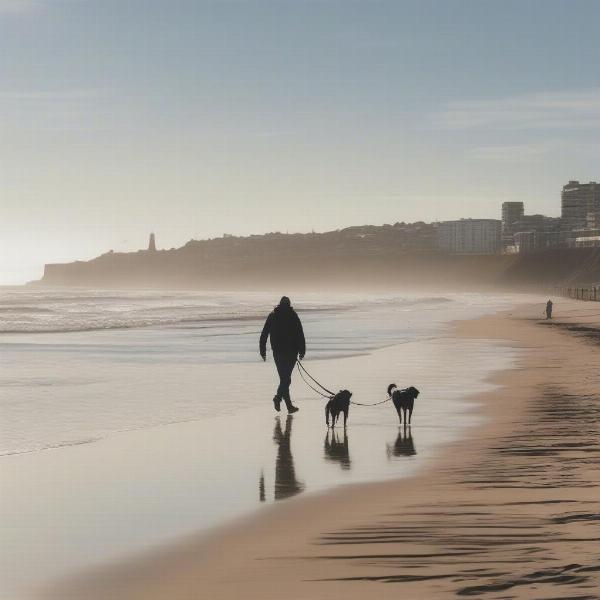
x=152, y=244
x=578, y=200
x=470, y=236
x=511, y=213
x=593, y=220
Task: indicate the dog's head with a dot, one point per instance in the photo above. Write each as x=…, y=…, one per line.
x=344, y=395
x=414, y=392
x=391, y=387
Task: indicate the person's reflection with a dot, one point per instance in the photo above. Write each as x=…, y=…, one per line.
x=337, y=451
x=404, y=445
x=286, y=484
x=261, y=487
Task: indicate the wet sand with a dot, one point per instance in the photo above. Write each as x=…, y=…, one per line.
x=512, y=510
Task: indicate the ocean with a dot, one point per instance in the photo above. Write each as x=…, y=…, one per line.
x=130, y=419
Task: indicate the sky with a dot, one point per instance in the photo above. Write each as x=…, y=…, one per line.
x=195, y=118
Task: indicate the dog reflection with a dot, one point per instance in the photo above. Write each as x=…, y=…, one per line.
x=404, y=444
x=336, y=450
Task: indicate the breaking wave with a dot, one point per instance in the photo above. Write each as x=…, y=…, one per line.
x=25, y=311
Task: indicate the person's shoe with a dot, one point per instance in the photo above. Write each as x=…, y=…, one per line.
x=277, y=403
x=292, y=409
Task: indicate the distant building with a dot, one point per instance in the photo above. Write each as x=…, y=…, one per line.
x=578, y=200
x=470, y=236
x=525, y=241
x=585, y=238
x=152, y=244
x=546, y=232
x=593, y=220
x=511, y=213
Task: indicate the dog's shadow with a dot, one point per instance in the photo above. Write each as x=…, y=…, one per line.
x=337, y=450
x=404, y=444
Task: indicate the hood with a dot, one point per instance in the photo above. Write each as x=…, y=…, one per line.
x=283, y=308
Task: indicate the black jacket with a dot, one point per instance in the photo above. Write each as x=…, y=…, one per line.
x=285, y=329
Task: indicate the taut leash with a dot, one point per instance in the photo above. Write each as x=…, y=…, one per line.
x=301, y=368
x=314, y=389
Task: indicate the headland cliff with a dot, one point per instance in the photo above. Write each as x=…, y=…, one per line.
x=383, y=257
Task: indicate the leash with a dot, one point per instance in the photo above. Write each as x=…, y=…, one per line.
x=329, y=394
x=314, y=389
x=372, y=404
x=301, y=368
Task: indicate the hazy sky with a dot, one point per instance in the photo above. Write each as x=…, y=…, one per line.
x=196, y=118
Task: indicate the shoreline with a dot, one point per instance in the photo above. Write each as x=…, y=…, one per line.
x=460, y=542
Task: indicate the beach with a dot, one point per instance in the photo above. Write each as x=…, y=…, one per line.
x=144, y=459
x=134, y=420
x=508, y=511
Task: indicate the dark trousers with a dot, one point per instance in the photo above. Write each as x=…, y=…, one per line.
x=285, y=364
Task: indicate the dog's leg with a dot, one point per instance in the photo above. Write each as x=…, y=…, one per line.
x=410, y=415
x=327, y=415
x=345, y=417
x=399, y=413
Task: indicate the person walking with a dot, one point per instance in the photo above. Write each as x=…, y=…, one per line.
x=549, y=306
x=284, y=328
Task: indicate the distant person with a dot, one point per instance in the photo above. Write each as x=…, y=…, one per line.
x=549, y=306
x=287, y=343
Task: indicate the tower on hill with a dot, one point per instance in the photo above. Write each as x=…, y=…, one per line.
x=152, y=244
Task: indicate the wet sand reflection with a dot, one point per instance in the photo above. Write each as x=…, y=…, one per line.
x=286, y=482
x=336, y=450
x=404, y=444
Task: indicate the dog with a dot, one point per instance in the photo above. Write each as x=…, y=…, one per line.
x=404, y=400
x=340, y=403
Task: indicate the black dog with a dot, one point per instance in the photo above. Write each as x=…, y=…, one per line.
x=404, y=400
x=338, y=404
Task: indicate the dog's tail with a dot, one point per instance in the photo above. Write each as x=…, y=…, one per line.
x=391, y=387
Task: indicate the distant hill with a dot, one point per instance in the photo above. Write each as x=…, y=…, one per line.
x=368, y=257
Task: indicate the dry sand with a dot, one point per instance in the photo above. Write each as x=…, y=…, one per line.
x=510, y=511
